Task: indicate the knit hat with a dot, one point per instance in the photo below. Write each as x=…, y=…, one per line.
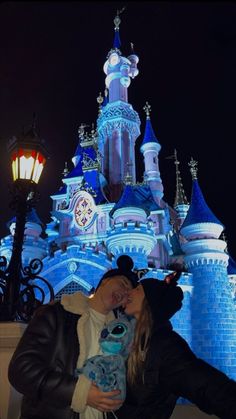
x=125, y=265
x=164, y=298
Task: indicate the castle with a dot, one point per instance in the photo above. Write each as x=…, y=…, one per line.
x=102, y=212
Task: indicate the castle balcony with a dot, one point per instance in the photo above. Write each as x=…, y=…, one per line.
x=131, y=237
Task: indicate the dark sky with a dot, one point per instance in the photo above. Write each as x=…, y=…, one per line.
x=51, y=63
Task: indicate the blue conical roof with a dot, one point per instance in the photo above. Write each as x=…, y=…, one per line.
x=231, y=269
x=127, y=199
x=138, y=196
x=31, y=217
x=117, y=42
x=145, y=197
x=62, y=190
x=91, y=178
x=76, y=171
x=149, y=135
x=199, y=212
x=78, y=151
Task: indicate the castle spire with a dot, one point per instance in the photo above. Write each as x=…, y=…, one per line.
x=150, y=148
x=149, y=135
x=117, y=21
x=118, y=124
x=180, y=197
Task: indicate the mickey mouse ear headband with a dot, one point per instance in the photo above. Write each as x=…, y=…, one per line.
x=170, y=279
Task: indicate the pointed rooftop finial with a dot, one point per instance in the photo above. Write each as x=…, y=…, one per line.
x=226, y=241
x=93, y=132
x=99, y=101
x=66, y=170
x=117, y=18
x=147, y=109
x=81, y=130
x=224, y=238
x=100, y=98
x=193, y=168
x=128, y=180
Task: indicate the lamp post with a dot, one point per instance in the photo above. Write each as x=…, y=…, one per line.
x=20, y=292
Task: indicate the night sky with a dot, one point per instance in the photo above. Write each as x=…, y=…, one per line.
x=51, y=63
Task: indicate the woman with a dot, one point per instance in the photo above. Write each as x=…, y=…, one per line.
x=162, y=367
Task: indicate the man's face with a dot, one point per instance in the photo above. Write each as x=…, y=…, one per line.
x=114, y=292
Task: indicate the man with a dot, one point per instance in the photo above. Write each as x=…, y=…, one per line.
x=59, y=338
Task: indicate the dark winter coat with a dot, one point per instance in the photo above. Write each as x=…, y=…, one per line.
x=43, y=365
x=173, y=371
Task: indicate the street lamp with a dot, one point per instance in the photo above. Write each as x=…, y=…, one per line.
x=19, y=285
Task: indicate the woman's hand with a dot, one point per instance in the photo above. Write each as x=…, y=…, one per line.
x=102, y=400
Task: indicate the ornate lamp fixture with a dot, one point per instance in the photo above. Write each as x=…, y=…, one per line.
x=19, y=285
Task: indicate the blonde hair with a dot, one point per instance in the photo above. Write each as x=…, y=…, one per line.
x=140, y=347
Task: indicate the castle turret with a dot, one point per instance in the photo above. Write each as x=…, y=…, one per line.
x=118, y=124
x=150, y=148
x=34, y=245
x=213, y=311
x=131, y=233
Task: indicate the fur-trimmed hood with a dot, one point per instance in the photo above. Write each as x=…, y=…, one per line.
x=76, y=303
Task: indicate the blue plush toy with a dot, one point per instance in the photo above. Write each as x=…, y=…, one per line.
x=108, y=370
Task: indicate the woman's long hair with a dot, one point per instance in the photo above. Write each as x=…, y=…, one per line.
x=140, y=347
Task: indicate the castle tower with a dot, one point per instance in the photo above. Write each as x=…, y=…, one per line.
x=34, y=245
x=131, y=233
x=150, y=148
x=213, y=310
x=118, y=124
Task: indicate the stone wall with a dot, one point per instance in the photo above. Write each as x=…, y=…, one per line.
x=10, y=333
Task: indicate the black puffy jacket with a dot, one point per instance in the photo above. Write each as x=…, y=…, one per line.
x=42, y=367
x=173, y=371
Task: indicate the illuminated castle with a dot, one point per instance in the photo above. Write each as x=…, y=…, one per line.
x=101, y=212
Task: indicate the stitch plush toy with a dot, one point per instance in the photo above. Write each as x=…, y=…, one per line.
x=108, y=371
